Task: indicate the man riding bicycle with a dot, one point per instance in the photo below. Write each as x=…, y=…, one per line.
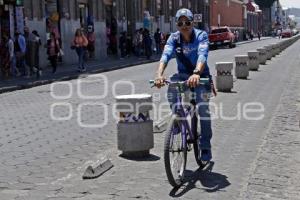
x=191, y=48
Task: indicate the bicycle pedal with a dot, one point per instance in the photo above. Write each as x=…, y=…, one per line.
x=189, y=147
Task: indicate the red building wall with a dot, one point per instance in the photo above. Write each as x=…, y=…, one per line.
x=230, y=11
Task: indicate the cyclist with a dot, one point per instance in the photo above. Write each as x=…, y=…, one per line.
x=191, y=48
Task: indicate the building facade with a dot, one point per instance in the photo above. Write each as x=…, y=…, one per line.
x=254, y=18
x=11, y=17
x=108, y=17
x=221, y=13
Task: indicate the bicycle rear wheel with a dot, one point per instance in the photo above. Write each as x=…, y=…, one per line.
x=175, y=153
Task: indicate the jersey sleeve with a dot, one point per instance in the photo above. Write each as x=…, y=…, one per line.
x=203, y=47
x=168, y=49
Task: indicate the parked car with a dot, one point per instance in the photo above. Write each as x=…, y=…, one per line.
x=221, y=36
x=286, y=33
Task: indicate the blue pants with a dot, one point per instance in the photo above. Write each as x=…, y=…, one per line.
x=80, y=52
x=202, y=93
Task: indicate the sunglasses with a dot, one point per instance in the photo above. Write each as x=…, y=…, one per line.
x=184, y=23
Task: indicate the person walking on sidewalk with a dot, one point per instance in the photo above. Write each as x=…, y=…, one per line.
x=36, y=43
x=258, y=35
x=29, y=54
x=157, y=38
x=147, y=44
x=191, y=48
x=91, y=41
x=80, y=43
x=52, y=51
x=122, y=44
x=20, y=49
x=12, y=58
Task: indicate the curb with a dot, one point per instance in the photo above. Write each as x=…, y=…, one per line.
x=97, y=170
x=71, y=77
x=161, y=125
x=250, y=41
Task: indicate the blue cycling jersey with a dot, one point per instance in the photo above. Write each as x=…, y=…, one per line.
x=196, y=50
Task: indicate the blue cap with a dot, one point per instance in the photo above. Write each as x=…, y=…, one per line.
x=184, y=12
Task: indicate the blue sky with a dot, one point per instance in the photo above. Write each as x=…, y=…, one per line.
x=290, y=3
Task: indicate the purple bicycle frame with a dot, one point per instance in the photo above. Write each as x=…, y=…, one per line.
x=184, y=125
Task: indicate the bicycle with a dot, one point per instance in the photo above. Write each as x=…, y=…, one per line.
x=180, y=135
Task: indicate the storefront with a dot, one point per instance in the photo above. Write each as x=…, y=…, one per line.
x=11, y=17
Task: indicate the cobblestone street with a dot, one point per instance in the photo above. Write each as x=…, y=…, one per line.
x=43, y=159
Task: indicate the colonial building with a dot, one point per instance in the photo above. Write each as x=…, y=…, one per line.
x=108, y=17
x=254, y=18
x=227, y=13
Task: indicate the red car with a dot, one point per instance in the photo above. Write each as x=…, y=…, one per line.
x=221, y=37
x=286, y=33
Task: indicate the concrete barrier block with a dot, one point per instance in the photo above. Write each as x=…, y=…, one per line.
x=224, y=66
x=253, y=60
x=224, y=78
x=135, y=138
x=224, y=83
x=241, y=66
x=135, y=103
x=262, y=55
x=269, y=54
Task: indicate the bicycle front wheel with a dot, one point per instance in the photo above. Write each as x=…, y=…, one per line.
x=175, y=153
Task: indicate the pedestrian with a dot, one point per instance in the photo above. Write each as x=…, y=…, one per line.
x=52, y=51
x=20, y=51
x=237, y=35
x=122, y=44
x=29, y=55
x=12, y=58
x=91, y=37
x=147, y=44
x=157, y=38
x=128, y=45
x=141, y=42
x=80, y=43
x=279, y=33
x=36, y=43
x=136, y=43
x=251, y=35
x=258, y=35
x=163, y=41
x=4, y=57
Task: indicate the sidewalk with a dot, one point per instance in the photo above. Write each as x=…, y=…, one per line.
x=68, y=72
x=254, y=40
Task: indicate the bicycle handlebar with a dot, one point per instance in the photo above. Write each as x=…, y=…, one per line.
x=203, y=81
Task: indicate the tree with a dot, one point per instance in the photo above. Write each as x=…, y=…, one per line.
x=264, y=3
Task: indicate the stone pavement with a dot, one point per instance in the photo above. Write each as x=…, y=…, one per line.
x=276, y=170
x=44, y=159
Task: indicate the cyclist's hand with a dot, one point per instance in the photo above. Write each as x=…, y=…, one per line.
x=193, y=80
x=159, y=81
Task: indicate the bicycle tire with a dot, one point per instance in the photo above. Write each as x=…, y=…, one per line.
x=196, y=151
x=174, y=181
x=199, y=162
